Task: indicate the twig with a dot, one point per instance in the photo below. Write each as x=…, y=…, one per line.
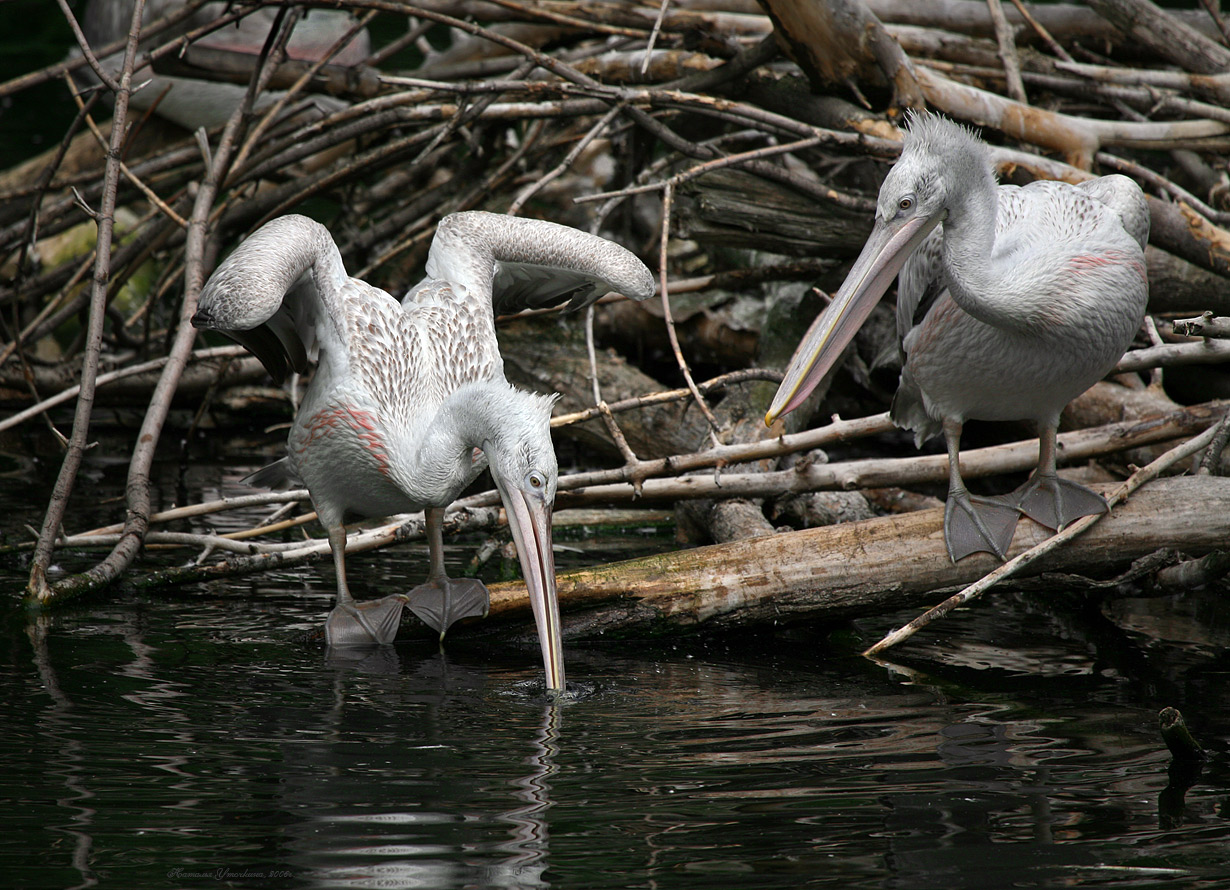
x=1161, y=182
x=683, y=176
x=653, y=35
x=137, y=522
x=1050, y=41
x=670, y=395
x=110, y=377
x=37, y=587
x=664, y=290
x=569, y=159
x=84, y=45
x=1135, y=481
x=632, y=464
x=1212, y=8
x=1211, y=459
x=1155, y=337
x=59, y=69
x=204, y=509
x=275, y=110
x=132, y=177
x=1007, y=51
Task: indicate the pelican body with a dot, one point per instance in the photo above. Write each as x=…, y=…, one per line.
x=1011, y=302
x=409, y=402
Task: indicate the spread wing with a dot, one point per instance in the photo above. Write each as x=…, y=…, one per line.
x=514, y=263
x=282, y=294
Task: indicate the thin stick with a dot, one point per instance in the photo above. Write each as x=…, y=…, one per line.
x=138, y=488
x=37, y=586
x=1135, y=481
x=208, y=507
x=663, y=287
x=275, y=110
x=631, y=461
x=124, y=168
x=683, y=176
x=653, y=35
x=533, y=188
x=84, y=45
x=1007, y=51
x=1212, y=455
x=659, y=398
x=1041, y=31
x=1212, y=8
x=111, y=377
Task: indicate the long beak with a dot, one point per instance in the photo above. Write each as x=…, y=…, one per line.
x=530, y=521
x=882, y=258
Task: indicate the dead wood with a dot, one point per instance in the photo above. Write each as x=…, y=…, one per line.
x=857, y=569
x=1151, y=26
x=705, y=151
x=1207, y=325
x=1065, y=21
x=842, y=42
x=1023, y=562
x=558, y=362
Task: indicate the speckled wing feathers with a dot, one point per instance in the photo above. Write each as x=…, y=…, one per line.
x=284, y=292
x=520, y=263
x=411, y=356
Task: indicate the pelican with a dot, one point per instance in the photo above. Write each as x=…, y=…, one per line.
x=409, y=400
x=1011, y=302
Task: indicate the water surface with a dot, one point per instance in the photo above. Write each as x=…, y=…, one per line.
x=200, y=738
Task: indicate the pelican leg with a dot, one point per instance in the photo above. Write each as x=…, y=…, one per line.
x=1049, y=500
x=971, y=523
x=442, y=600
x=357, y=624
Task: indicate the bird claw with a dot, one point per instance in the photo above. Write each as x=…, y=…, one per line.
x=976, y=524
x=442, y=603
x=362, y=624
x=1054, y=501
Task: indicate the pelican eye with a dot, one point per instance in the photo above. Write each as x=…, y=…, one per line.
x=536, y=480
x=906, y=203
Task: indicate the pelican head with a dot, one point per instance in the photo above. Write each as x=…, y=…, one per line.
x=522, y=463
x=938, y=160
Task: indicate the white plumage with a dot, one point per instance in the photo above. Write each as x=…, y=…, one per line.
x=405, y=392
x=1011, y=302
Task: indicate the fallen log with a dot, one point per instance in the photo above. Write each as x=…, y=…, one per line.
x=839, y=572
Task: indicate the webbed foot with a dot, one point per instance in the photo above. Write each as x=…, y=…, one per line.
x=359, y=624
x=973, y=524
x=443, y=602
x=1055, y=502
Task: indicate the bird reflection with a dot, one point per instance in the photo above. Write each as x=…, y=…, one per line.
x=529, y=849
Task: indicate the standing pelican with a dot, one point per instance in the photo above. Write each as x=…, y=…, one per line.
x=405, y=392
x=1023, y=299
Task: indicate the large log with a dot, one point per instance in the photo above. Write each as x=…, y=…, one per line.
x=845, y=571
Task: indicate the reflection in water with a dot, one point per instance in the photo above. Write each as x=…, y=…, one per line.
x=530, y=845
x=55, y=724
x=161, y=744
x=377, y=801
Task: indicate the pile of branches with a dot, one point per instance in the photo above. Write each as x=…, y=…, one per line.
x=737, y=146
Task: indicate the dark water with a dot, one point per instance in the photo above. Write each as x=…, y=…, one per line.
x=195, y=739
